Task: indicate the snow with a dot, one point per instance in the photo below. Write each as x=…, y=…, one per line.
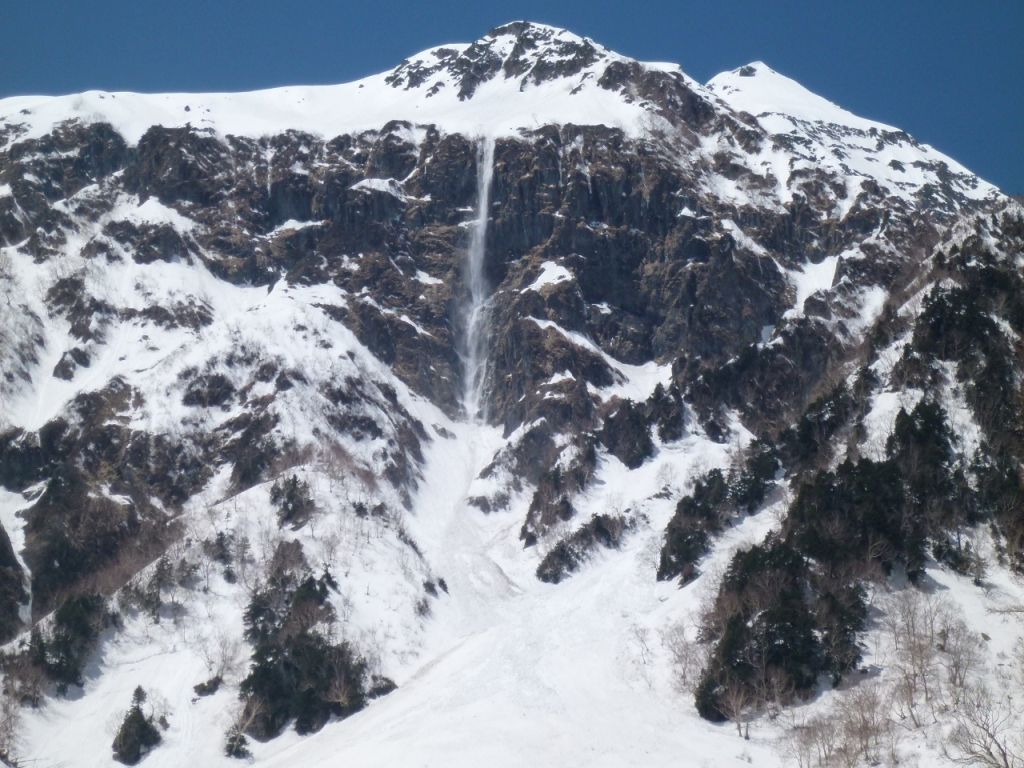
x=864, y=306
x=808, y=280
x=834, y=139
x=508, y=670
x=501, y=688
x=388, y=186
x=153, y=212
x=558, y=378
x=485, y=680
x=967, y=433
x=12, y=505
x=634, y=382
x=742, y=239
x=499, y=107
x=764, y=90
x=550, y=274
x=291, y=225
x=880, y=420
x=426, y=279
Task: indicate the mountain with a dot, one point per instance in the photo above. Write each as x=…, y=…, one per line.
x=524, y=403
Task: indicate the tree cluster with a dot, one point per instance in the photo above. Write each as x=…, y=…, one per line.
x=715, y=498
x=59, y=655
x=776, y=625
x=294, y=503
x=138, y=733
x=297, y=673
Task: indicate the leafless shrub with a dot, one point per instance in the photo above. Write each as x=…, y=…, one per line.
x=131, y=558
x=1018, y=661
x=7, y=282
x=243, y=560
x=341, y=467
x=289, y=457
x=24, y=679
x=423, y=608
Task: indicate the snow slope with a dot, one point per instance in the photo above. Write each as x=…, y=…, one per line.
x=835, y=138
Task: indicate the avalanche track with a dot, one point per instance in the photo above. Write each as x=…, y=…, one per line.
x=517, y=672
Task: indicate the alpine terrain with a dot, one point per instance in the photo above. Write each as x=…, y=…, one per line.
x=524, y=404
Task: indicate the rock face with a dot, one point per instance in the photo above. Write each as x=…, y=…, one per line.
x=190, y=309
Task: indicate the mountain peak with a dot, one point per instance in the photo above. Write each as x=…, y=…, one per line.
x=753, y=69
x=531, y=29
x=758, y=89
x=526, y=50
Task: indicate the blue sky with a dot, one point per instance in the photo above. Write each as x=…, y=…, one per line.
x=948, y=72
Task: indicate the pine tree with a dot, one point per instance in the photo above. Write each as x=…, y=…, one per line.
x=137, y=734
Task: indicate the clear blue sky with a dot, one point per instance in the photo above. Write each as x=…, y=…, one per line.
x=951, y=72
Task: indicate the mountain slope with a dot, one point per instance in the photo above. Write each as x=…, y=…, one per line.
x=238, y=335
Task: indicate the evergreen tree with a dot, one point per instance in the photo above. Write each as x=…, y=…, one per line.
x=137, y=734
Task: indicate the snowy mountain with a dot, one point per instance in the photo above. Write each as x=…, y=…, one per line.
x=524, y=403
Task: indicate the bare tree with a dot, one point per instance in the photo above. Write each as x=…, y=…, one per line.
x=814, y=742
x=858, y=730
x=221, y=654
x=914, y=622
x=249, y=712
x=961, y=655
x=737, y=701
x=987, y=731
x=866, y=724
x=688, y=657
x=329, y=548
x=341, y=691
x=10, y=723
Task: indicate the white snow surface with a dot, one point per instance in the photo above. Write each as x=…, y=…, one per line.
x=499, y=107
x=550, y=274
x=389, y=186
x=506, y=105
x=835, y=139
x=759, y=89
x=809, y=280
